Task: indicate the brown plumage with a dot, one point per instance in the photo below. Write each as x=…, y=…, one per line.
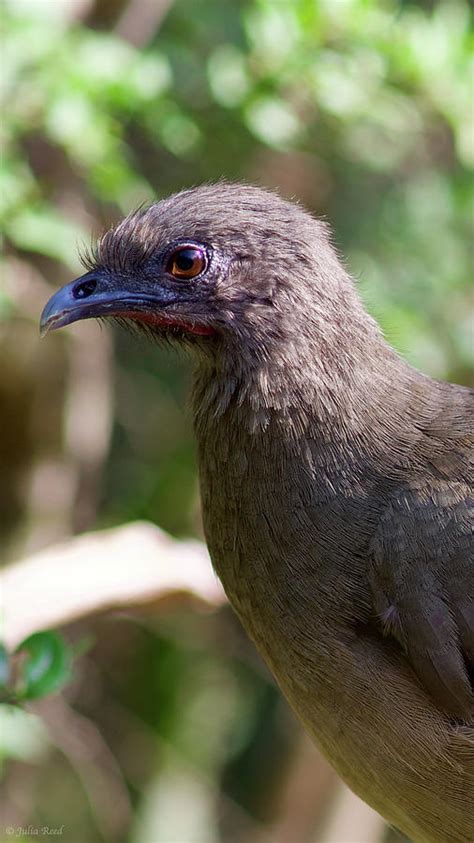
x=337, y=486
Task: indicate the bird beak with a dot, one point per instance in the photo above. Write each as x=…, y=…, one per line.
x=95, y=294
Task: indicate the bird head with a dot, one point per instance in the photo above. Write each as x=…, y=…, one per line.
x=220, y=265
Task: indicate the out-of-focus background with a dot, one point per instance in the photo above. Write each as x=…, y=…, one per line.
x=172, y=729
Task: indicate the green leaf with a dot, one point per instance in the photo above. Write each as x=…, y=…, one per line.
x=47, y=666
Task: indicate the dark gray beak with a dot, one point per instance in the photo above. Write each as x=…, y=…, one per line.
x=95, y=294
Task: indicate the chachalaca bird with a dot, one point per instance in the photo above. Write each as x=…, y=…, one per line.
x=337, y=486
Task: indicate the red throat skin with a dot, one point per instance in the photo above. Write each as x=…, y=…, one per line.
x=159, y=320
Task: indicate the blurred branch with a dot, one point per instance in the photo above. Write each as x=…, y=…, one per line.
x=307, y=789
x=123, y=567
x=141, y=20
x=82, y=744
x=351, y=819
x=88, y=419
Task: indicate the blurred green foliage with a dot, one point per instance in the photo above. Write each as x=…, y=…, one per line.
x=362, y=109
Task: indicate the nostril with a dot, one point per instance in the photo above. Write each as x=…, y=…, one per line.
x=84, y=289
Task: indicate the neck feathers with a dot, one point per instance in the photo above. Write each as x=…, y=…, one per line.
x=339, y=390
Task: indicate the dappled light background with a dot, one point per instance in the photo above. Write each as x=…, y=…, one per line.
x=172, y=729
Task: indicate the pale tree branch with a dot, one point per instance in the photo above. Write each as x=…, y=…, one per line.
x=128, y=566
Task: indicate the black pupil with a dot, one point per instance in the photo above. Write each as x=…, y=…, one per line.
x=186, y=258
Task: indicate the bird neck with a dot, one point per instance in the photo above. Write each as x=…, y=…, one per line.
x=340, y=396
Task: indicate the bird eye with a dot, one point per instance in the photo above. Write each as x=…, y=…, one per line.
x=187, y=262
